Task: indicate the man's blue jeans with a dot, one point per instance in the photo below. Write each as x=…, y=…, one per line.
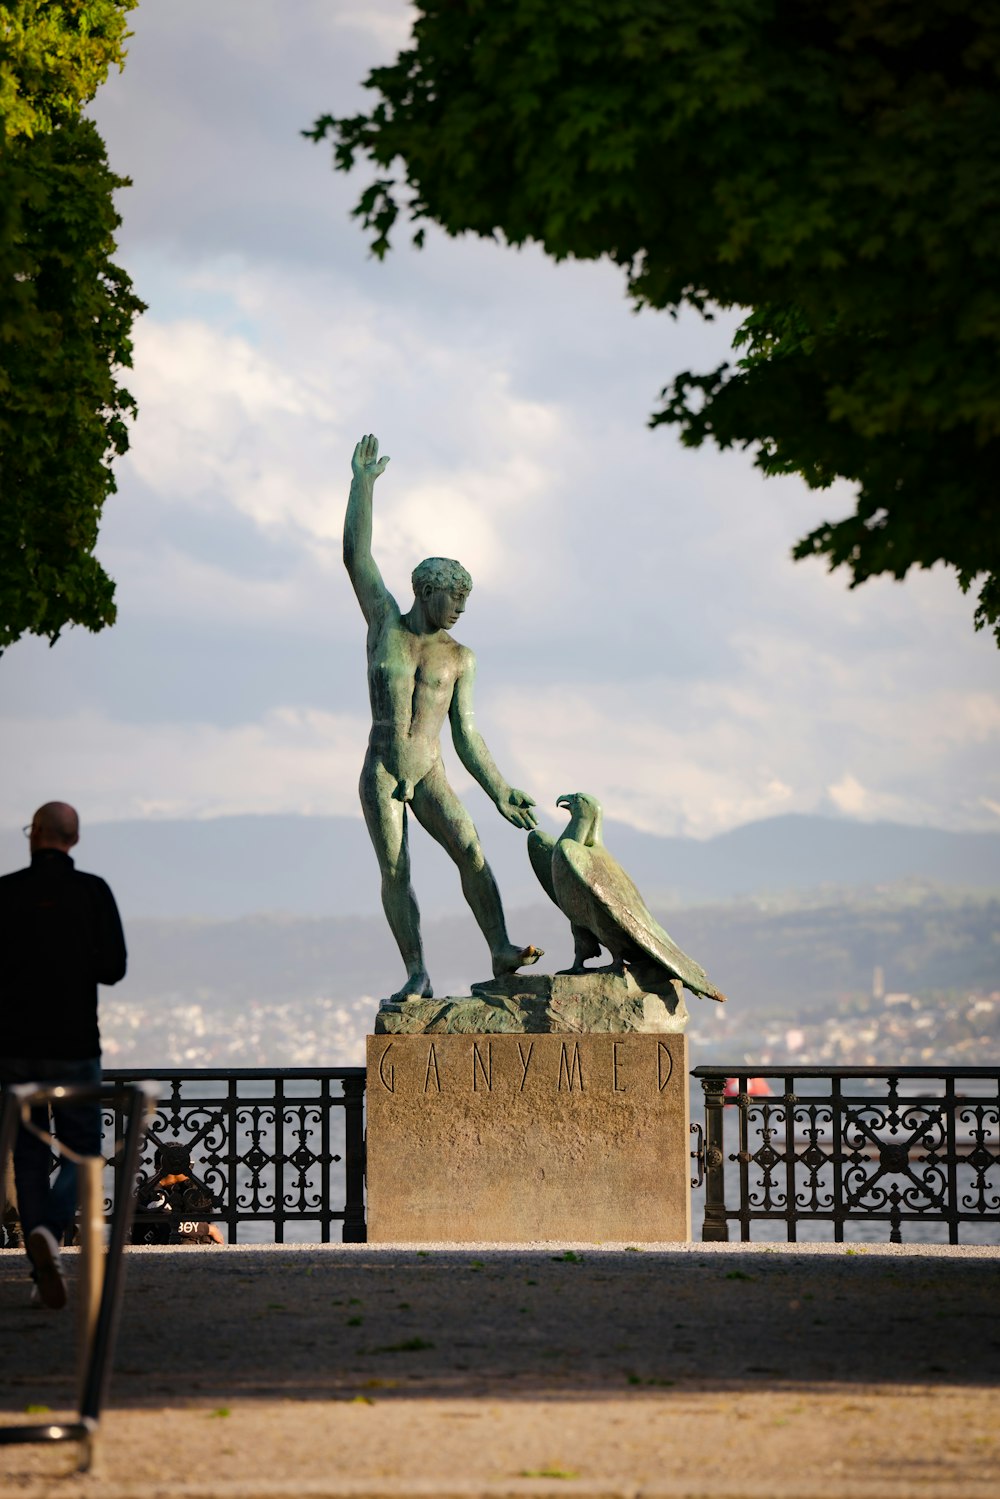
x=44, y=1201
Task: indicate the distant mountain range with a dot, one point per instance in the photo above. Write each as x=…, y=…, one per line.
x=230, y=867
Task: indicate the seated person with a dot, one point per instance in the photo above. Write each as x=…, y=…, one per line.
x=173, y=1207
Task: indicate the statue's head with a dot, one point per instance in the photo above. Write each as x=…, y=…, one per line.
x=441, y=572
x=442, y=585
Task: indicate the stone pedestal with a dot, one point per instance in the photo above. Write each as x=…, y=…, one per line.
x=514, y=1138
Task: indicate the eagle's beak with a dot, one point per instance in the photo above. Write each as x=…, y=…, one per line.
x=566, y=800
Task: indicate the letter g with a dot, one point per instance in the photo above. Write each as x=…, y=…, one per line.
x=388, y=1082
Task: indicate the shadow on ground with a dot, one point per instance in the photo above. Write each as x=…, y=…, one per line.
x=322, y=1323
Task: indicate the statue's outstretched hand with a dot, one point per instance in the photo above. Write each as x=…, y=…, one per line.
x=517, y=809
x=366, y=463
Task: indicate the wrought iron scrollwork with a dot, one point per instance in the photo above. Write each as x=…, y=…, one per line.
x=857, y=1145
x=271, y=1147
x=698, y=1154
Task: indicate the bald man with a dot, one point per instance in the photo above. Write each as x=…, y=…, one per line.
x=60, y=936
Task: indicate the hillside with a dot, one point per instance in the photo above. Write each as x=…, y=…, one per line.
x=324, y=866
x=282, y=990
x=790, y=959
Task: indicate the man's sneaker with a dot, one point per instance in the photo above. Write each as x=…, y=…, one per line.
x=50, y=1282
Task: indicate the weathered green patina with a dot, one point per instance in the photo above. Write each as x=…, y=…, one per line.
x=604, y=907
x=597, y=1000
x=418, y=676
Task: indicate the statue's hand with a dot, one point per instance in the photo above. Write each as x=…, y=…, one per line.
x=366, y=464
x=403, y=791
x=516, y=807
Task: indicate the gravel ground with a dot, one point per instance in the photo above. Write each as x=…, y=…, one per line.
x=859, y=1372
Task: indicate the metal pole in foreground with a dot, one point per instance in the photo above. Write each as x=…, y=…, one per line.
x=90, y=1278
x=99, y=1367
x=99, y=1322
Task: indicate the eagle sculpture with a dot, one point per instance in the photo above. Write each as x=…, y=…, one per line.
x=603, y=906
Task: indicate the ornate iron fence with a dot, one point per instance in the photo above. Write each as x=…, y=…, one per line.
x=891, y=1145
x=272, y=1146
x=846, y=1145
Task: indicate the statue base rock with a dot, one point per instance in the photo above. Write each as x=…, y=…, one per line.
x=535, y=1004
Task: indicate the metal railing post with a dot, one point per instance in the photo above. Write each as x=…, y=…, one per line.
x=715, y=1228
x=355, y=1229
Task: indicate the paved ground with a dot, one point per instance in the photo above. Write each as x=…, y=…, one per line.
x=380, y=1373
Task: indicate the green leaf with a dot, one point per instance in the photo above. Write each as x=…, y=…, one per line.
x=66, y=314
x=833, y=169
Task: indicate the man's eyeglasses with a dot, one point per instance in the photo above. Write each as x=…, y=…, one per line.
x=27, y=830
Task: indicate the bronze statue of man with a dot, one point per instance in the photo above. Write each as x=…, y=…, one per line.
x=417, y=676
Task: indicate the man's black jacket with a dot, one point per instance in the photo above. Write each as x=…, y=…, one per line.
x=60, y=936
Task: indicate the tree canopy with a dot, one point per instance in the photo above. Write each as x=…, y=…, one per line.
x=832, y=168
x=66, y=314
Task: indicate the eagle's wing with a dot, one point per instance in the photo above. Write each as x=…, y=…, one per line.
x=540, y=846
x=608, y=884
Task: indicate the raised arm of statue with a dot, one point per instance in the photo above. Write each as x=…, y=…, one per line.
x=471, y=748
x=373, y=596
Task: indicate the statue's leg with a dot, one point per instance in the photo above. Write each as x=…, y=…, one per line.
x=438, y=809
x=386, y=822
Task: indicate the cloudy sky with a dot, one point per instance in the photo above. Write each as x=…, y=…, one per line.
x=641, y=631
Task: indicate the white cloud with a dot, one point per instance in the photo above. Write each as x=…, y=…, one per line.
x=480, y=512
x=850, y=797
x=167, y=581
x=385, y=24
x=389, y=24
x=221, y=419
x=267, y=427
x=684, y=779
x=699, y=758
x=643, y=634
x=291, y=759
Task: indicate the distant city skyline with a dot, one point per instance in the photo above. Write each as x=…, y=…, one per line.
x=641, y=631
